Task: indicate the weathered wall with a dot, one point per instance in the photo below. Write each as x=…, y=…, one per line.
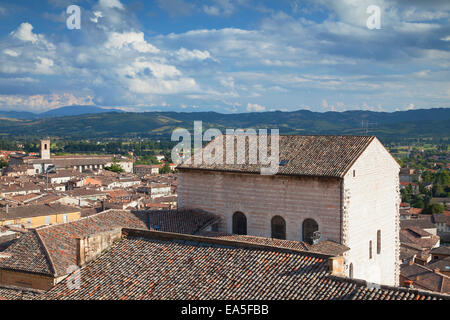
x=371, y=200
x=262, y=197
x=26, y=280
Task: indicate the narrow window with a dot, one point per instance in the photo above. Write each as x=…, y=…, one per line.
x=370, y=249
x=65, y=218
x=354, y=173
x=239, y=223
x=278, y=228
x=45, y=146
x=350, y=271
x=308, y=228
x=378, y=241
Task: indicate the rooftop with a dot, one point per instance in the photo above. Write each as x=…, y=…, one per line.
x=321, y=155
x=160, y=265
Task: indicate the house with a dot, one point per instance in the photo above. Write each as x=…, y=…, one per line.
x=442, y=222
x=33, y=216
x=76, y=162
x=159, y=157
x=142, y=170
x=423, y=277
x=344, y=187
x=147, y=265
x=155, y=190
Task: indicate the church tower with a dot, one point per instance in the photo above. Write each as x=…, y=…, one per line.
x=45, y=149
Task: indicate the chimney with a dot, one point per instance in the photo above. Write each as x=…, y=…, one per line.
x=336, y=266
x=408, y=283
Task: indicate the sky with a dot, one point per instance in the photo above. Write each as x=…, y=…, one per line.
x=225, y=56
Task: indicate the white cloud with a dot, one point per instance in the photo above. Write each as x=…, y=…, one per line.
x=184, y=54
x=25, y=33
x=111, y=4
x=253, y=107
x=44, y=66
x=97, y=15
x=134, y=39
x=40, y=102
x=11, y=53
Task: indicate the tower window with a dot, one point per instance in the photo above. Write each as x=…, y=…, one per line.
x=350, y=271
x=370, y=249
x=239, y=223
x=309, y=227
x=278, y=228
x=354, y=173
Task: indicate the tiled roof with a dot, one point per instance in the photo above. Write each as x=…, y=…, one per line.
x=324, y=247
x=418, y=237
x=426, y=278
x=27, y=254
x=52, y=249
x=329, y=156
x=16, y=293
x=36, y=210
x=156, y=265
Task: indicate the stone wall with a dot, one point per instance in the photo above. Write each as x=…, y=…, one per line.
x=371, y=203
x=262, y=197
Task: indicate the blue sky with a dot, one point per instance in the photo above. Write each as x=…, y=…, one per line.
x=225, y=56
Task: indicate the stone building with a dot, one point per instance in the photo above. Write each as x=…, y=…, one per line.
x=344, y=187
x=80, y=163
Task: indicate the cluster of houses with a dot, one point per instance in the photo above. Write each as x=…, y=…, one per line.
x=326, y=226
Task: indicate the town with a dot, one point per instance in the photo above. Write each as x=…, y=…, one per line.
x=59, y=212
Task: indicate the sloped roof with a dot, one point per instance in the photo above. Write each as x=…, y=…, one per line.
x=146, y=266
x=50, y=250
x=320, y=155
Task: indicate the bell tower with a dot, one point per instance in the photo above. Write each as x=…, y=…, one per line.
x=45, y=149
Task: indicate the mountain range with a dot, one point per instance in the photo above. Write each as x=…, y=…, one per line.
x=73, y=110
x=103, y=123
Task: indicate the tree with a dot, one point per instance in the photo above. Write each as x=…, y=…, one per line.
x=434, y=208
x=3, y=163
x=165, y=168
x=114, y=168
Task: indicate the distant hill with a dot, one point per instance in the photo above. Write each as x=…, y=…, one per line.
x=73, y=110
x=413, y=123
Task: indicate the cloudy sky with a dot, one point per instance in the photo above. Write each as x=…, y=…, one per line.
x=225, y=55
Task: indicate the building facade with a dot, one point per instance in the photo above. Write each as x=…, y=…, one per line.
x=344, y=187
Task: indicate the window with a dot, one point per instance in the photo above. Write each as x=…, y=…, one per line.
x=239, y=223
x=278, y=228
x=45, y=146
x=370, y=249
x=350, y=271
x=378, y=241
x=354, y=173
x=65, y=218
x=47, y=220
x=309, y=227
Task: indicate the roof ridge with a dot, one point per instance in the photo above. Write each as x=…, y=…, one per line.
x=46, y=252
x=365, y=283
x=170, y=236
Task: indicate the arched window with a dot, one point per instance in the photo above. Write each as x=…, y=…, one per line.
x=309, y=227
x=278, y=227
x=239, y=223
x=350, y=271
